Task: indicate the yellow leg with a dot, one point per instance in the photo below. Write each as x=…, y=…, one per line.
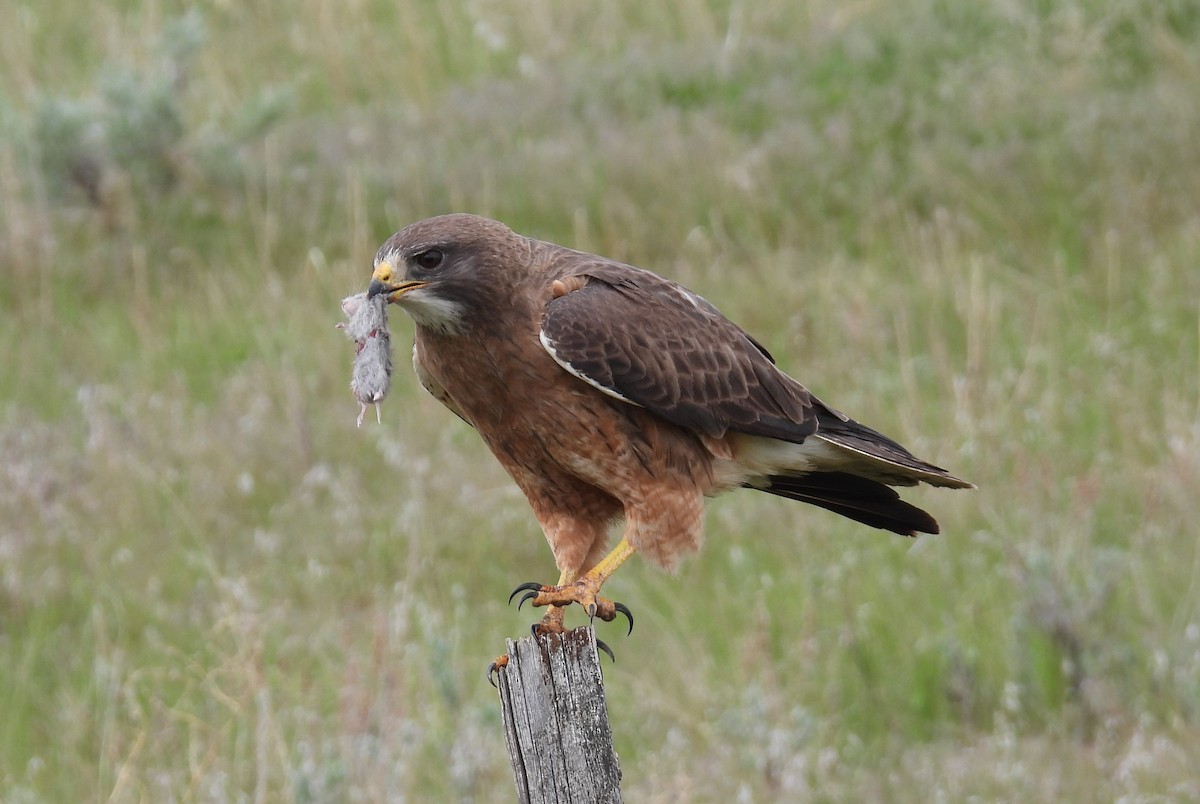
x=608, y=565
x=583, y=590
x=552, y=620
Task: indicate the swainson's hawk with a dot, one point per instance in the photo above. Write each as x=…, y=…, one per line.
x=610, y=393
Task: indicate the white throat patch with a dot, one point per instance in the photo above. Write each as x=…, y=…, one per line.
x=433, y=312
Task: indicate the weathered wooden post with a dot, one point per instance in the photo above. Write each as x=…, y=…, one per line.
x=556, y=722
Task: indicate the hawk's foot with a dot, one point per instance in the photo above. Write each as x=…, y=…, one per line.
x=552, y=623
x=494, y=669
x=582, y=591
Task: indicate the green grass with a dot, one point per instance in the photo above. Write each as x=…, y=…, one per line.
x=972, y=225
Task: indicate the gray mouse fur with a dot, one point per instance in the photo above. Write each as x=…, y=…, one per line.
x=366, y=325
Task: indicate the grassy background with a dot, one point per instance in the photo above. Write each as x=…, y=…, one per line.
x=972, y=225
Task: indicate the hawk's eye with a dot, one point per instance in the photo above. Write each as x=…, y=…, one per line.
x=428, y=259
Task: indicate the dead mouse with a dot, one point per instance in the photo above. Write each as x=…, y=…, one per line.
x=366, y=325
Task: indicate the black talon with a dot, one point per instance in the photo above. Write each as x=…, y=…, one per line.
x=602, y=646
x=530, y=595
x=533, y=629
x=525, y=587
x=493, y=673
x=591, y=613
x=628, y=615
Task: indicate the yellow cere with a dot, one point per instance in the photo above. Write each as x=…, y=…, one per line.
x=383, y=272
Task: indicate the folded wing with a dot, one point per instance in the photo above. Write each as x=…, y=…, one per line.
x=646, y=340
x=651, y=342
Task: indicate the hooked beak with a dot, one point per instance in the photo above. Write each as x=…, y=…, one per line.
x=382, y=282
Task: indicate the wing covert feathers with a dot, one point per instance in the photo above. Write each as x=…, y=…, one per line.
x=651, y=342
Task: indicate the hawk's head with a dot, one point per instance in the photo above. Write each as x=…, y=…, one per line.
x=446, y=271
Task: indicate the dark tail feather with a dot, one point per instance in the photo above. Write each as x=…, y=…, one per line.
x=858, y=498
